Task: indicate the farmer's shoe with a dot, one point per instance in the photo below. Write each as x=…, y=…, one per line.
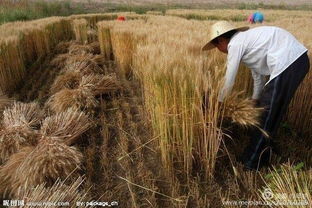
x=257, y=154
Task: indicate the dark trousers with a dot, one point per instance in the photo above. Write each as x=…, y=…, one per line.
x=275, y=98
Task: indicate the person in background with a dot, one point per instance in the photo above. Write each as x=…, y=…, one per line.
x=256, y=17
x=121, y=18
x=250, y=18
x=266, y=51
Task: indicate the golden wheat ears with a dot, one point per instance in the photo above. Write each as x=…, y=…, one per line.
x=66, y=126
x=18, y=128
x=241, y=110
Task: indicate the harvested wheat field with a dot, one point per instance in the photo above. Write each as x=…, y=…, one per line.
x=99, y=112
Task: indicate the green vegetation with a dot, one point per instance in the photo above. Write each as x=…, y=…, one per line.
x=280, y=6
x=25, y=10
x=235, y=18
x=143, y=8
x=296, y=168
x=140, y=9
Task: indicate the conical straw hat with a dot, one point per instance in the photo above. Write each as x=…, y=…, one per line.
x=218, y=29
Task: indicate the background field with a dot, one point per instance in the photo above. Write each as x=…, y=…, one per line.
x=273, y=2
x=32, y=9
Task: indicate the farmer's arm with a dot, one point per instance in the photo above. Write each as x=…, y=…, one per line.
x=235, y=53
x=259, y=82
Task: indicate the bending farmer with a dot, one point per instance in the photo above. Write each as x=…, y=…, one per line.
x=266, y=51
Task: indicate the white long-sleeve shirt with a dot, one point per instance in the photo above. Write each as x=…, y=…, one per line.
x=265, y=50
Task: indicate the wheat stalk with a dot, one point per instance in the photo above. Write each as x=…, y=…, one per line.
x=293, y=184
x=61, y=191
x=80, y=29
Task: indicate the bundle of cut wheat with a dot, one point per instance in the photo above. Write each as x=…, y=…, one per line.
x=68, y=80
x=100, y=84
x=10, y=173
x=66, y=126
x=241, y=110
x=79, y=99
x=83, y=54
x=18, y=128
x=48, y=161
x=82, y=63
x=82, y=96
x=22, y=114
x=48, y=155
x=13, y=139
x=45, y=163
